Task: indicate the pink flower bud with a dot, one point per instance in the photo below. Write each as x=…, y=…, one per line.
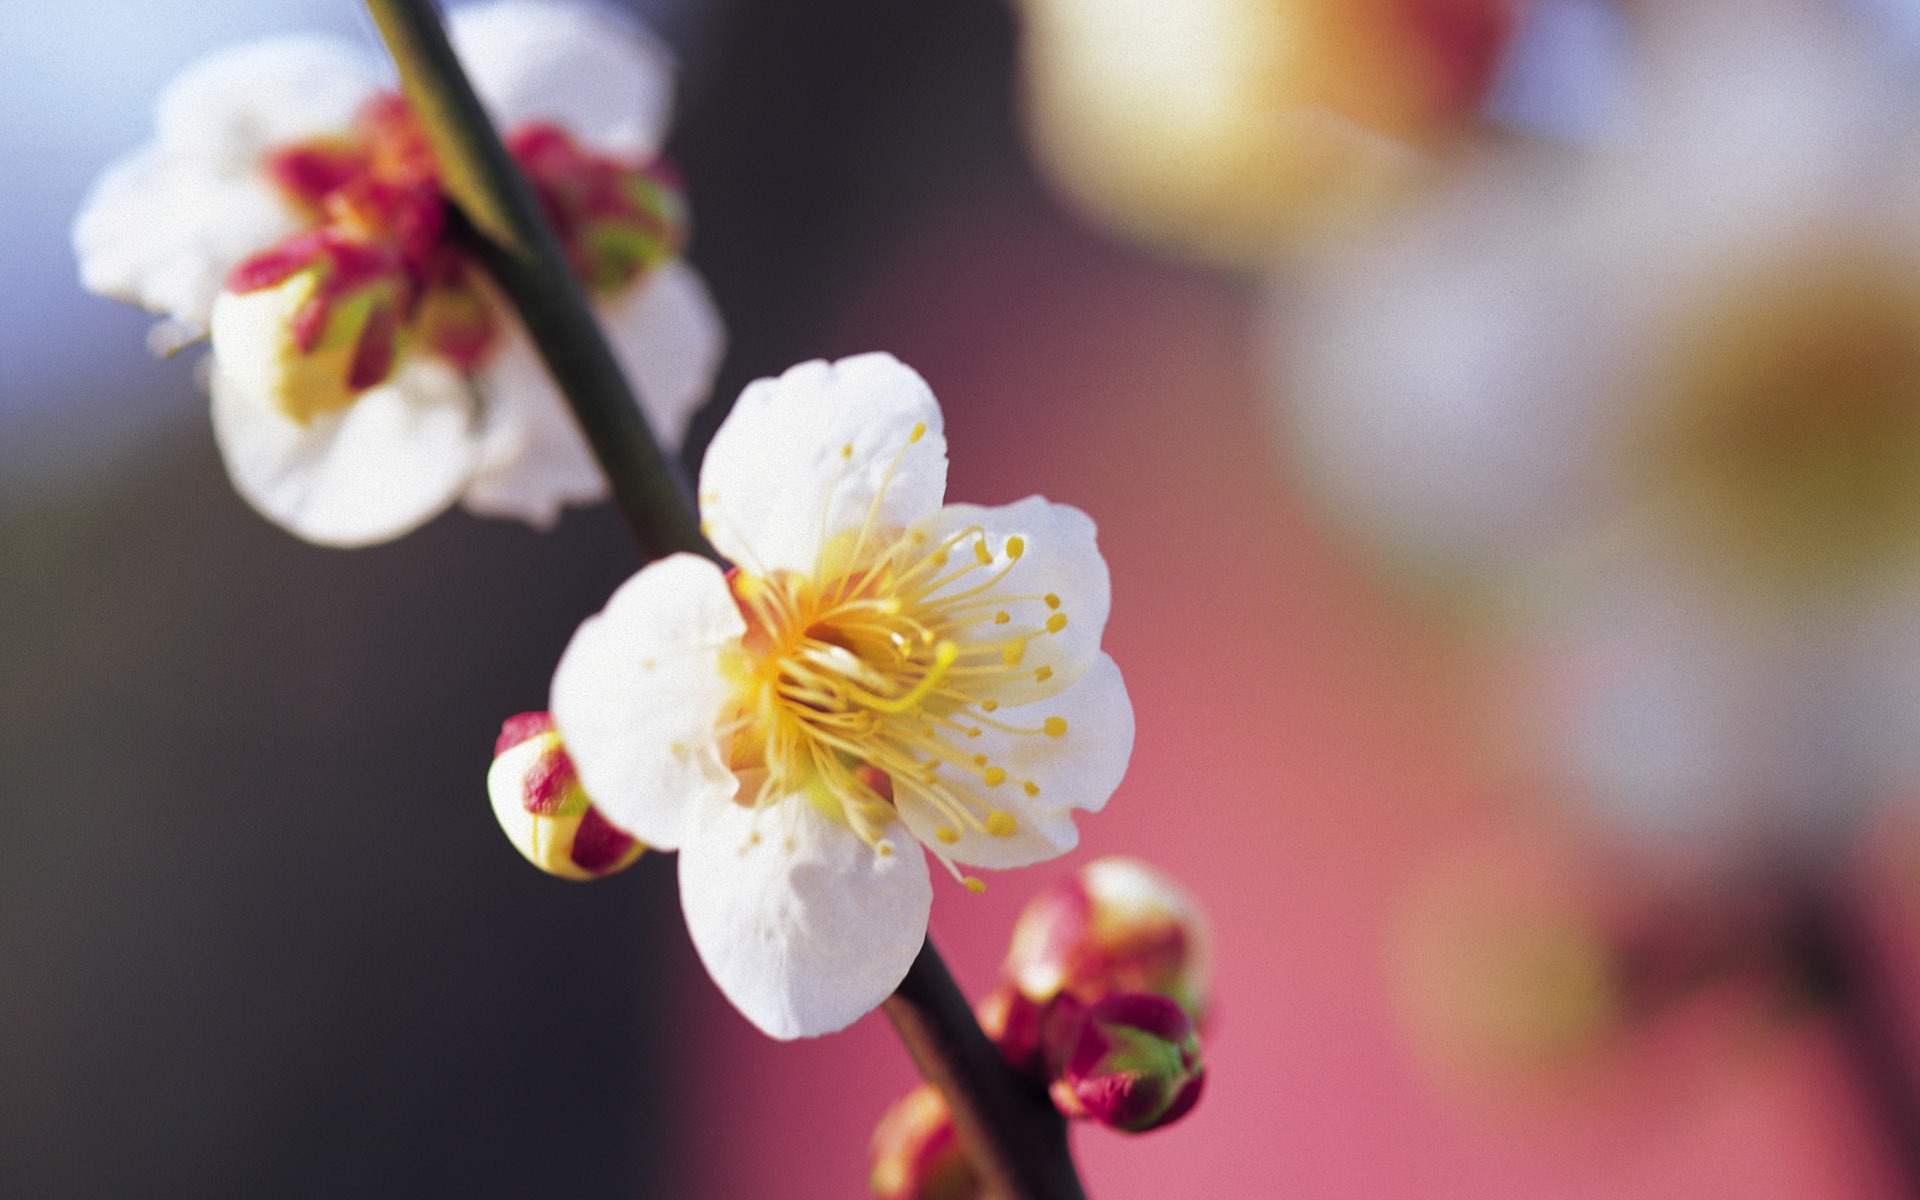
x=1130, y=1060
x=916, y=1154
x=1117, y=926
x=540, y=805
x=1013, y=1022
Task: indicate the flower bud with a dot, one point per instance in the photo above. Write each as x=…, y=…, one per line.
x=1130, y=1060
x=1117, y=926
x=545, y=813
x=1012, y=1021
x=917, y=1156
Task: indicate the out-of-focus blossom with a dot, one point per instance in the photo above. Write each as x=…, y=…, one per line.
x=1226, y=129
x=1129, y=1060
x=916, y=1154
x=365, y=374
x=1667, y=392
x=877, y=673
x=541, y=807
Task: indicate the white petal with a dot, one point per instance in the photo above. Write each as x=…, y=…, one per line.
x=1078, y=770
x=668, y=336
x=813, y=453
x=163, y=232
x=803, y=926
x=393, y=459
x=231, y=107
x=638, y=695
x=163, y=226
x=534, y=460
x=1060, y=559
x=598, y=75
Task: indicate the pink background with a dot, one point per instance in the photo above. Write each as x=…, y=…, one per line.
x=1306, y=749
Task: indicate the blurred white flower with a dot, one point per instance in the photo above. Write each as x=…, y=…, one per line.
x=365, y=374
x=1229, y=129
x=878, y=672
x=1667, y=391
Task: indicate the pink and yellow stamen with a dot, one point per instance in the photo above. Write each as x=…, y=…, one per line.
x=862, y=683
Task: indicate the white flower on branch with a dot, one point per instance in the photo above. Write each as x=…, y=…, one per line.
x=366, y=375
x=878, y=673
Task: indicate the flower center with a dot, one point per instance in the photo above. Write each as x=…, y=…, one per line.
x=1789, y=441
x=859, y=685
x=383, y=273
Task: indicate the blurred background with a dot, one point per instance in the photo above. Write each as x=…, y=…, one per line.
x=1503, y=422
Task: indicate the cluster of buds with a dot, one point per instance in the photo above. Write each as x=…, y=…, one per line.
x=1100, y=1004
x=545, y=813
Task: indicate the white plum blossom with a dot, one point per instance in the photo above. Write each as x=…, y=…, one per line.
x=1664, y=393
x=365, y=374
x=879, y=672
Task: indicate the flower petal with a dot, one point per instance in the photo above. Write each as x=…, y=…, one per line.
x=378, y=469
x=816, y=453
x=1077, y=770
x=163, y=232
x=163, y=226
x=1056, y=593
x=638, y=695
x=534, y=460
x=604, y=79
x=803, y=926
x=233, y=106
x=669, y=338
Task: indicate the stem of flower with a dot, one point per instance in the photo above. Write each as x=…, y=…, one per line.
x=1017, y=1141
x=1847, y=972
x=510, y=234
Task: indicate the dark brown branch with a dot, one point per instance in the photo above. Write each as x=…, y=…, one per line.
x=1017, y=1141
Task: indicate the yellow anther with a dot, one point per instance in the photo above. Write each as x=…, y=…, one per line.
x=989, y=705
x=1013, y=652
x=1043, y=674
x=1031, y=788
x=883, y=849
x=1052, y=600
x=846, y=451
x=974, y=732
x=974, y=885
x=1056, y=622
x=1001, y=824
x=1001, y=618
x=995, y=776
x=943, y=656
x=981, y=552
x=1016, y=546
x=919, y=431
x=946, y=835
x=1054, y=727
x=979, y=760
